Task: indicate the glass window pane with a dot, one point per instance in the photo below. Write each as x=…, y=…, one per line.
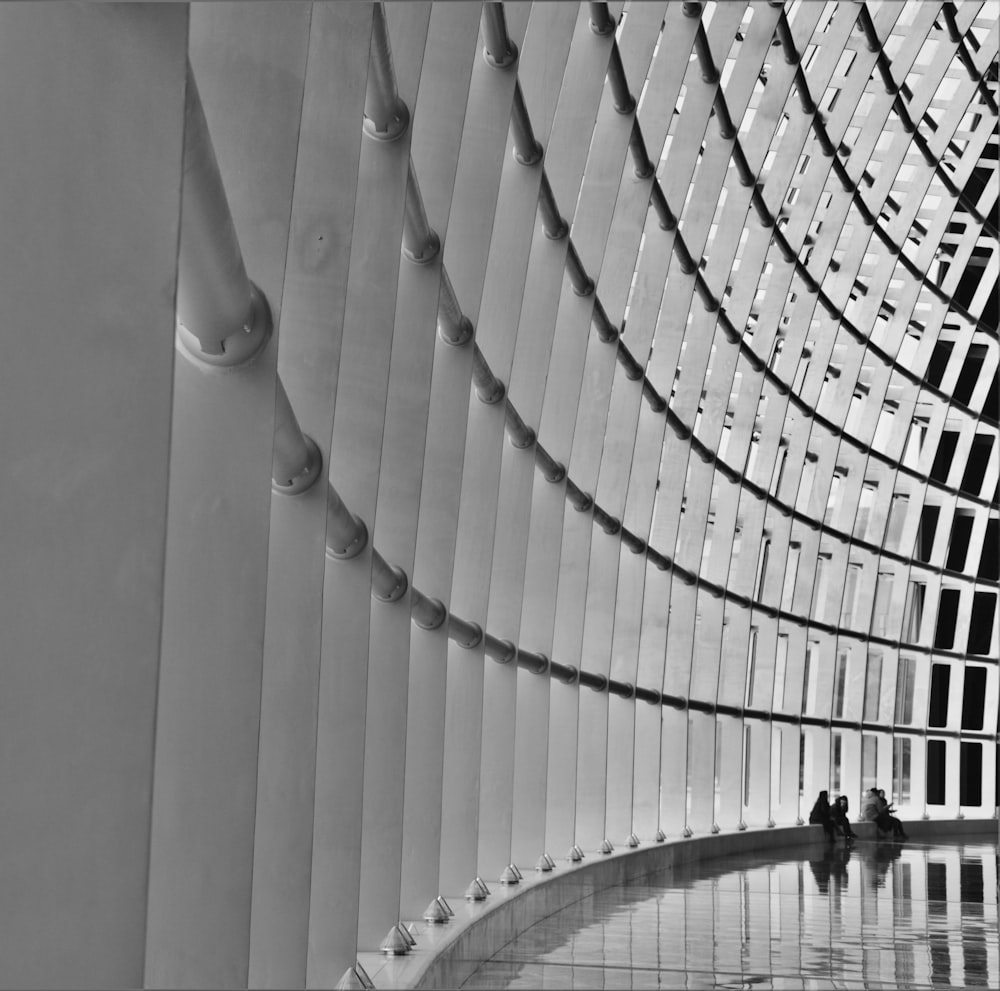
x=901, y=756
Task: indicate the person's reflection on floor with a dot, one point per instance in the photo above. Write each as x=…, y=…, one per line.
x=839, y=856
x=820, y=867
x=829, y=865
x=878, y=858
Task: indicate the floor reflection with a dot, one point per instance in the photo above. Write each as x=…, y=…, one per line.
x=869, y=914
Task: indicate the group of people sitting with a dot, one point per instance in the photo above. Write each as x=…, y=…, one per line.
x=874, y=808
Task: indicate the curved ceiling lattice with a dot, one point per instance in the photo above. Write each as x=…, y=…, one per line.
x=911, y=146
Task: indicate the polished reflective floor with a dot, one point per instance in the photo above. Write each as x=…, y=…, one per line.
x=875, y=914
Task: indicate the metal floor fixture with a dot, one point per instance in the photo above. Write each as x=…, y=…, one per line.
x=442, y=439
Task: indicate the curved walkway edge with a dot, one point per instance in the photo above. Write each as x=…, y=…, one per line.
x=446, y=955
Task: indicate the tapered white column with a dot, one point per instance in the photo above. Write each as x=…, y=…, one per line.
x=466, y=258
x=208, y=707
x=355, y=455
x=88, y=269
x=405, y=353
x=315, y=278
x=453, y=43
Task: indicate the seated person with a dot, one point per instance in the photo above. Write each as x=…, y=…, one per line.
x=820, y=815
x=838, y=813
x=885, y=820
x=869, y=805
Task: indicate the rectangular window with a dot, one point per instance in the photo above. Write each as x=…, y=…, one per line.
x=972, y=367
x=937, y=711
x=938, y=364
x=883, y=598
x=873, y=687
x=958, y=546
x=885, y=425
x=802, y=765
x=850, y=595
x=840, y=684
x=751, y=666
x=706, y=547
x=989, y=560
x=941, y=467
x=836, y=751
x=915, y=443
x=818, y=605
x=806, y=483
x=898, y=509
x=901, y=757
x=935, y=772
x=970, y=774
x=977, y=463
x=913, y=612
x=800, y=374
x=984, y=609
x=746, y=766
x=776, y=749
x=947, y=617
x=752, y=455
x=869, y=761
x=758, y=591
x=780, y=668
x=718, y=763
x=905, y=674
x=926, y=532
x=973, y=697
x=865, y=504
x=808, y=675
x=791, y=572
x=831, y=502
x=779, y=471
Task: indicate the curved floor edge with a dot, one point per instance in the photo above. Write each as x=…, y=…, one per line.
x=446, y=955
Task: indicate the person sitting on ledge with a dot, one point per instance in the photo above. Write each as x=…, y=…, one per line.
x=876, y=809
x=838, y=813
x=885, y=820
x=820, y=815
x=869, y=805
